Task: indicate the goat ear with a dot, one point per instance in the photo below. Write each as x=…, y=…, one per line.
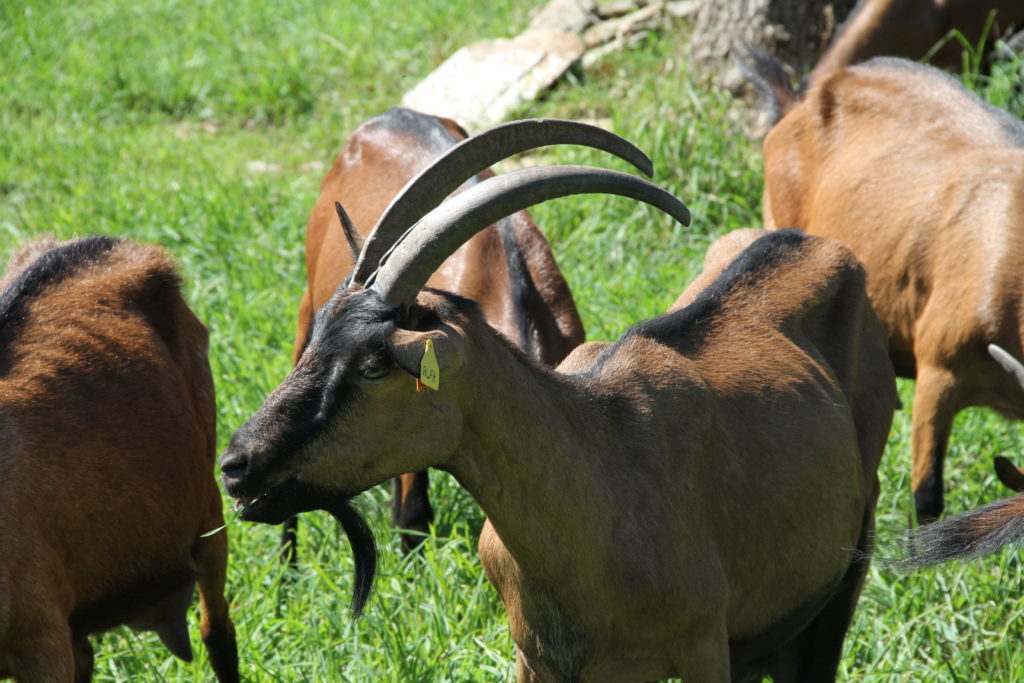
x=1009, y=474
x=352, y=236
x=408, y=347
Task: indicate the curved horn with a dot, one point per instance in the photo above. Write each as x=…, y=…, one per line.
x=1009, y=363
x=471, y=156
x=415, y=257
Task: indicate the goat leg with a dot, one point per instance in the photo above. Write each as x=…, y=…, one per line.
x=83, y=659
x=216, y=628
x=411, y=509
x=935, y=405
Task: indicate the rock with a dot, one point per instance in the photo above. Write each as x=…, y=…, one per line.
x=570, y=16
x=482, y=83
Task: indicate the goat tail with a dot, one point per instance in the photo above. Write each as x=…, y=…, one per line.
x=966, y=536
x=364, y=551
x=765, y=72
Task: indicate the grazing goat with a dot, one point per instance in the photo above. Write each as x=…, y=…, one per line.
x=911, y=28
x=508, y=268
x=925, y=183
x=694, y=499
x=107, y=445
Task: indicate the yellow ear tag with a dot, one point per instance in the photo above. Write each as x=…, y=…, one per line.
x=430, y=374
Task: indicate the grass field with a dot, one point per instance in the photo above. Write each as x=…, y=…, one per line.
x=143, y=119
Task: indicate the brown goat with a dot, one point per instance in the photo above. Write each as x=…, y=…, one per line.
x=911, y=28
x=688, y=501
x=508, y=268
x=107, y=440
x=925, y=183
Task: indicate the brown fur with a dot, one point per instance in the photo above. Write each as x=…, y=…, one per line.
x=926, y=185
x=984, y=525
x=375, y=163
x=720, y=254
x=107, y=438
x=688, y=501
x=910, y=28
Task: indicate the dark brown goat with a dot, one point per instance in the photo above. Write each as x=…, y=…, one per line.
x=911, y=28
x=107, y=443
x=508, y=268
x=925, y=183
x=688, y=501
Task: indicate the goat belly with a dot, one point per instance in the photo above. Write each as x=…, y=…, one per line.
x=746, y=652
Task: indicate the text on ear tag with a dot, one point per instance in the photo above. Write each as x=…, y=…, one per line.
x=430, y=374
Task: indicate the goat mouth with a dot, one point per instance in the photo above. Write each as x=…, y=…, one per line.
x=273, y=506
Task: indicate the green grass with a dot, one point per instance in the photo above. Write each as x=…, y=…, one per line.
x=141, y=119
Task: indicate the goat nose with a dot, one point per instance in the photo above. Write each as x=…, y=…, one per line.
x=233, y=464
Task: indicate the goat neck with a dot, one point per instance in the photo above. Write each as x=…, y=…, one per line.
x=522, y=436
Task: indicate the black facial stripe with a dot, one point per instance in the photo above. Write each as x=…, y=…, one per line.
x=329, y=394
x=295, y=416
x=317, y=408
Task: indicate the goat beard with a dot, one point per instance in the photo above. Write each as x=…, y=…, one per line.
x=292, y=497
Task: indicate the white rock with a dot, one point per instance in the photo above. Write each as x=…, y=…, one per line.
x=482, y=83
x=571, y=16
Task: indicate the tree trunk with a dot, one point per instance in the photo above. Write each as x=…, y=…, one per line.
x=795, y=31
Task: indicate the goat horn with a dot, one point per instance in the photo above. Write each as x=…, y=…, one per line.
x=415, y=256
x=471, y=156
x=1009, y=363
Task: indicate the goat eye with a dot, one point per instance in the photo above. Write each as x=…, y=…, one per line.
x=373, y=369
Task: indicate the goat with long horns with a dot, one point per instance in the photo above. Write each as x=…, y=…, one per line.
x=689, y=500
x=506, y=268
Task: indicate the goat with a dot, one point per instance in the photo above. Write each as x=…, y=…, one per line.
x=911, y=28
x=107, y=445
x=685, y=501
x=507, y=268
x=923, y=181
